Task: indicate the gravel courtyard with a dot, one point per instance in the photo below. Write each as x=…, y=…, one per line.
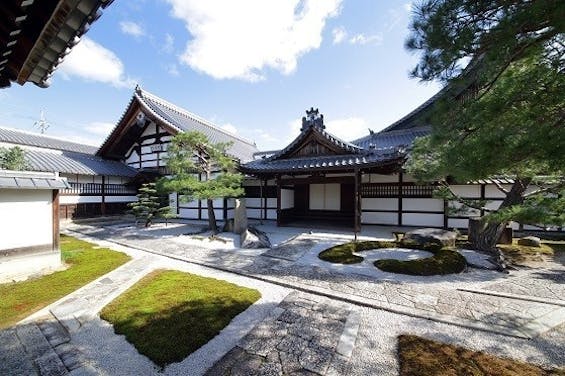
x=313, y=317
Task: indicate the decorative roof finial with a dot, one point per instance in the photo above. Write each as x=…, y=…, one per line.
x=312, y=118
x=138, y=88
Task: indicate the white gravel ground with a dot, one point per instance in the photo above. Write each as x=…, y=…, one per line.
x=375, y=351
x=113, y=355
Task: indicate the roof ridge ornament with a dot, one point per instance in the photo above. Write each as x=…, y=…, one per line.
x=312, y=118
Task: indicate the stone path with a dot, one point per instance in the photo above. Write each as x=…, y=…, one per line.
x=41, y=348
x=475, y=309
x=302, y=336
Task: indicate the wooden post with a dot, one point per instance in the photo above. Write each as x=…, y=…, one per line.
x=400, y=184
x=445, y=214
x=55, y=219
x=103, y=203
x=278, y=201
x=225, y=214
x=357, y=224
x=483, y=196
x=264, y=214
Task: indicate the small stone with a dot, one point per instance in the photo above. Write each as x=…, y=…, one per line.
x=530, y=241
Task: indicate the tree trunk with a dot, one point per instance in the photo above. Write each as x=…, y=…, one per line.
x=212, y=217
x=484, y=235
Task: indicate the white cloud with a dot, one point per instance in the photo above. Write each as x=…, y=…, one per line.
x=169, y=44
x=348, y=129
x=234, y=39
x=339, y=34
x=229, y=127
x=366, y=39
x=173, y=70
x=132, y=28
x=92, y=62
x=408, y=6
x=100, y=128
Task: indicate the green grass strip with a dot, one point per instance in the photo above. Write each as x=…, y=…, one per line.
x=170, y=314
x=20, y=299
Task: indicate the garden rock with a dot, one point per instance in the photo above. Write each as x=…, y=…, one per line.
x=228, y=226
x=530, y=241
x=240, y=216
x=253, y=238
x=430, y=235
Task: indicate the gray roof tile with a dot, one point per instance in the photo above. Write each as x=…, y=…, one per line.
x=12, y=136
x=184, y=120
x=392, y=139
x=76, y=163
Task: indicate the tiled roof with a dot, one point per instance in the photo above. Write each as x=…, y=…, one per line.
x=183, y=120
x=392, y=139
x=36, y=35
x=326, y=162
x=31, y=180
x=76, y=163
x=12, y=136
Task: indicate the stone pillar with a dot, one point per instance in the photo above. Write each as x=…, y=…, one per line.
x=240, y=216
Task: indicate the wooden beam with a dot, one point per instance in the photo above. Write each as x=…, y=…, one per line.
x=103, y=189
x=278, y=201
x=400, y=184
x=55, y=219
x=357, y=214
x=318, y=180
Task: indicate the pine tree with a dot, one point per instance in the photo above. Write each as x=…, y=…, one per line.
x=12, y=159
x=190, y=156
x=503, y=110
x=148, y=207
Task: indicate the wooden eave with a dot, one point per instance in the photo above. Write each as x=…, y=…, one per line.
x=35, y=35
x=129, y=130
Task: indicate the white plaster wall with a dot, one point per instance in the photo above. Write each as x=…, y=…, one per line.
x=149, y=164
x=219, y=213
x=79, y=199
x=253, y=202
x=325, y=197
x=468, y=191
x=424, y=204
x=120, y=198
x=26, y=218
x=416, y=219
x=492, y=192
x=133, y=158
x=377, y=178
x=188, y=213
x=85, y=179
x=379, y=204
x=457, y=223
x=287, y=198
x=254, y=213
x=271, y=213
x=150, y=130
x=379, y=218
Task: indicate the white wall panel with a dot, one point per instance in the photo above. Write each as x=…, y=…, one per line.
x=149, y=164
x=416, y=219
x=377, y=178
x=188, y=213
x=379, y=204
x=253, y=202
x=492, y=192
x=379, y=218
x=272, y=214
x=134, y=157
x=469, y=191
x=423, y=204
x=150, y=130
x=79, y=199
x=287, y=198
x=457, y=223
x=120, y=198
x=26, y=218
x=254, y=213
x=325, y=197
x=316, y=197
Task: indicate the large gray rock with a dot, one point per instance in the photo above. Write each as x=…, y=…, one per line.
x=240, y=216
x=425, y=236
x=530, y=241
x=252, y=238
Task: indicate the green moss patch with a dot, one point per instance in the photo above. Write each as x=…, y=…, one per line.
x=419, y=356
x=85, y=264
x=170, y=314
x=343, y=253
x=443, y=261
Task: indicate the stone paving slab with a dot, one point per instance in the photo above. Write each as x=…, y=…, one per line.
x=485, y=312
x=302, y=336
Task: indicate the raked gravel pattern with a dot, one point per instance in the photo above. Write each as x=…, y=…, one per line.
x=432, y=297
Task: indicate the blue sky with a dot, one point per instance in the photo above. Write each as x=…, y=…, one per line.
x=252, y=67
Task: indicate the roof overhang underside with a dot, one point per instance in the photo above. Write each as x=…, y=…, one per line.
x=36, y=35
